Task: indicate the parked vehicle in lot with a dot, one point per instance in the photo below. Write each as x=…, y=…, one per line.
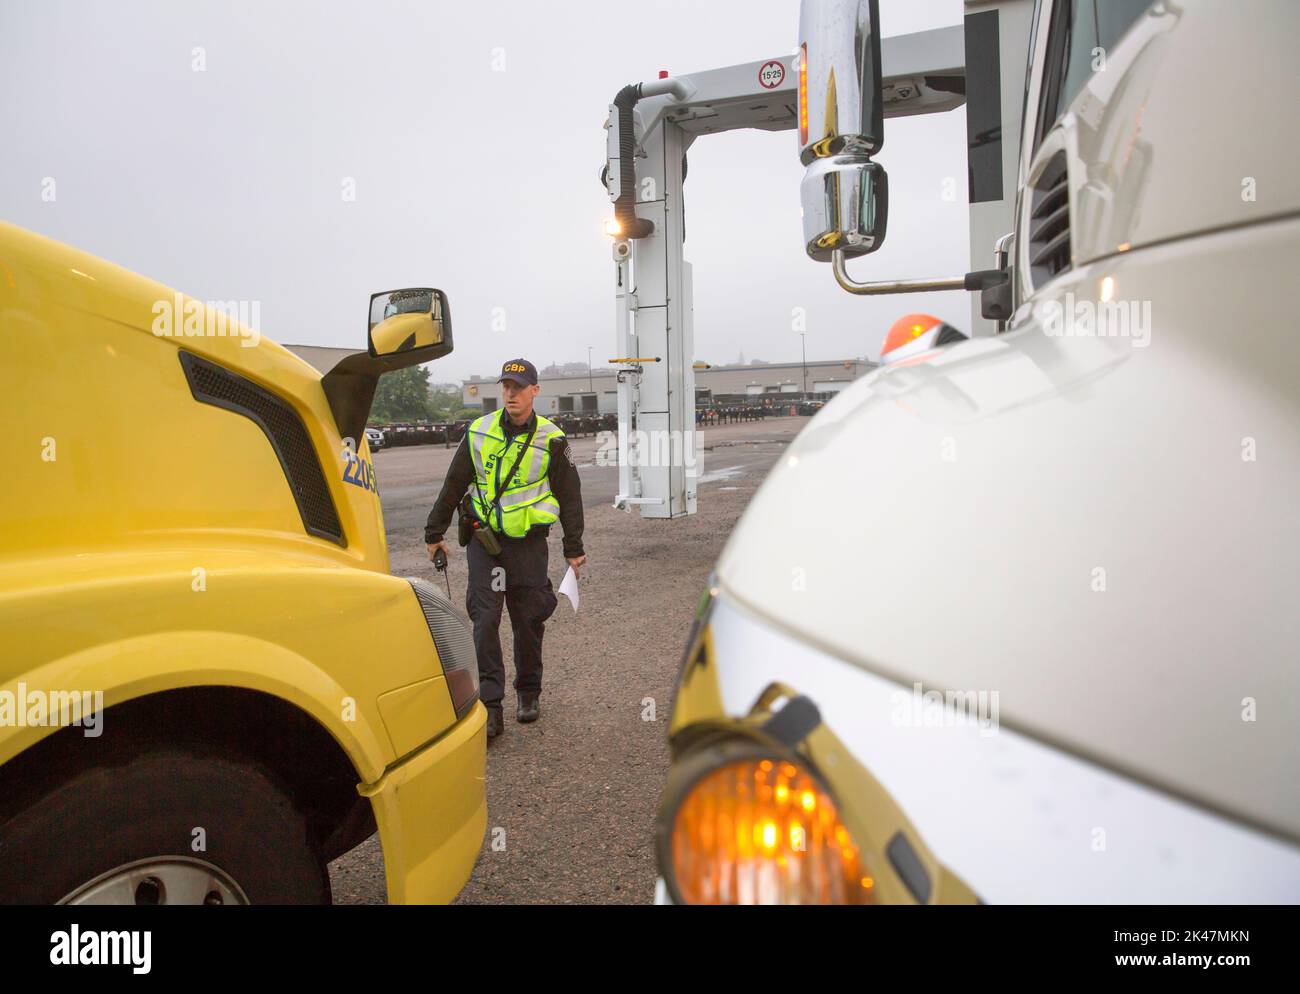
x=573, y=425
x=210, y=684
x=1015, y=617
x=375, y=437
x=424, y=433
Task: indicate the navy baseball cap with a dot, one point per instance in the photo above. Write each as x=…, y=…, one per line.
x=521, y=371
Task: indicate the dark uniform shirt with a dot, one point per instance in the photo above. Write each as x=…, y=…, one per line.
x=561, y=473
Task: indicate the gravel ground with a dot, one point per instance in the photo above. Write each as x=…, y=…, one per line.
x=573, y=796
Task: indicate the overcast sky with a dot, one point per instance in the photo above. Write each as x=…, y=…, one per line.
x=227, y=183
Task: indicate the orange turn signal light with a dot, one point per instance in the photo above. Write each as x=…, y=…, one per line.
x=764, y=831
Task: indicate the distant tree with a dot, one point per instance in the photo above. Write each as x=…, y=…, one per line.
x=446, y=402
x=402, y=395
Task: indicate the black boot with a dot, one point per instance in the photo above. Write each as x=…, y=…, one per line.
x=495, y=723
x=529, y=708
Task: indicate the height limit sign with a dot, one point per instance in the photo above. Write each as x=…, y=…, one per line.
x=771, y=75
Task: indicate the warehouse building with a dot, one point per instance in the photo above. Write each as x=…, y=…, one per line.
x=322, y=357
x=565, y=390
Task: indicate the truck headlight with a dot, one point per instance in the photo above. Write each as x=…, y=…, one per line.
x=454, y=642
x=741, y=824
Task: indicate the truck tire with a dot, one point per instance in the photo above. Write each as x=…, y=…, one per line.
x=130, y=834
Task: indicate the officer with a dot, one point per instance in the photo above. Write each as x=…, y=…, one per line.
x=512, y=477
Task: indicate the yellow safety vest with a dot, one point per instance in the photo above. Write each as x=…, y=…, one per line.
x=526, y=500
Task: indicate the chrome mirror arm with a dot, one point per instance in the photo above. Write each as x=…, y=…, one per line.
x=978, y=280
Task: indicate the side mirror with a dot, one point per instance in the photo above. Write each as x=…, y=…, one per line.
x=404, y=328
x=845, y=206
x=841, y=108
x=841, y=125
x=406, y=322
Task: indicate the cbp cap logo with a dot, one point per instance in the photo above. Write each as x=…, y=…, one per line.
x=519, y=371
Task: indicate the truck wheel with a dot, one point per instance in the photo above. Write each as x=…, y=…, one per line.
x=166, y=827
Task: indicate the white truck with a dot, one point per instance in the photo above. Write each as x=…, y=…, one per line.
x=1016, y=619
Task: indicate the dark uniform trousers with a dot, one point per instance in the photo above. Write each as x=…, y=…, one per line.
x=517, y=577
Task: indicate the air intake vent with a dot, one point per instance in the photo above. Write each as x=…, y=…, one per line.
x=1049, y=222
x=215, y=385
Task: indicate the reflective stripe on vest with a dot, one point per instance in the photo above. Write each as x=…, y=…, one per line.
x=526, y=500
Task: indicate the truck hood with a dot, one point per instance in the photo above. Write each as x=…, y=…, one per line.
x=88, y=283
x=1030, y=515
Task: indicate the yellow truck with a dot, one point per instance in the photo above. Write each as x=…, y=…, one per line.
x=210, y=684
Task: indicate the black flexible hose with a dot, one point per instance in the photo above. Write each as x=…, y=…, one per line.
x=624, y=207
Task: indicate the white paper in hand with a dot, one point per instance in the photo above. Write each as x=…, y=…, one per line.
x=569, y=588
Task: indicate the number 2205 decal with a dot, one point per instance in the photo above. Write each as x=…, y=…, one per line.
x=360, y=473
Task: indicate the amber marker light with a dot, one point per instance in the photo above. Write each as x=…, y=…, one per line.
x=803, y=94
x=764, y=831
